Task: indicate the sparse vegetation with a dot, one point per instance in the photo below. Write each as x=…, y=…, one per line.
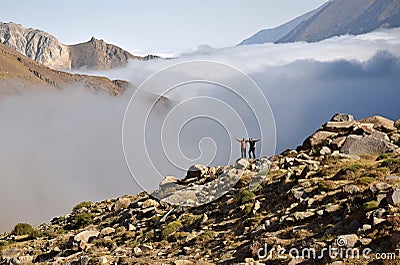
x=22, y=229
x=246, y=196
x=365, y=180
x=352, y=168
x=369, y=206
x=81, y=220
x=391, y=163
x=171, y=228
x=81, y=205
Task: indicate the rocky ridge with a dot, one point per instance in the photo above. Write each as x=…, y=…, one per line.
x=342, y=183
x=19, y=73
x=44, y=48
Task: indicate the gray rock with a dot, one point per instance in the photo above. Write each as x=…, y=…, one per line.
x=356, y=145
x=393, y=198
x=338, y=117
x=122, y=202
x=380, y=123
x=392, y=178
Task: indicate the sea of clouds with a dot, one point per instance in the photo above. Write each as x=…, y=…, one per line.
x=63, y=147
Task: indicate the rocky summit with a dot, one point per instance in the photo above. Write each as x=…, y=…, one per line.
x=340, y=189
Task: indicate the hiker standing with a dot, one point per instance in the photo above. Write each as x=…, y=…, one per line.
x=243, y=144
x=252, y=148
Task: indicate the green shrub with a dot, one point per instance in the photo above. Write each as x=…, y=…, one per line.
x=247, y=208
x=390, y=163
x=22, y=229
x=369, y=206
x=82, y=220
x=365, y=180
x=352, y=168
x=36, y=234
x=246, y=196
x=171, y=228
x=81, y=205
x=383, y=156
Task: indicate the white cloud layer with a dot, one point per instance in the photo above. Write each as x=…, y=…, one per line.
x=59, y=148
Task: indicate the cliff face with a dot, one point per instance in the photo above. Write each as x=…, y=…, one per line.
x=36, y=45
x=44, y=48
x=98, y=54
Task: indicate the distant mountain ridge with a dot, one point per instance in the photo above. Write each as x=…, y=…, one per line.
x=342, y=17
x=19, y=73
x=44, y=48
x=274, y=34
x=334, y=18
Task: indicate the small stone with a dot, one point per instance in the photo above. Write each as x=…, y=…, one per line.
x=107, y=231
x=349, y=240
x=325, y=151
x=365, y=241
x=242, y=164
x=351, y=189
x=392, y=178
x=397, y=124
x=137, y=251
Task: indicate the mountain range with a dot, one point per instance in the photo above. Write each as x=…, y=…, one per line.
x=17, y=73
x=44, y=48
x=334, y=18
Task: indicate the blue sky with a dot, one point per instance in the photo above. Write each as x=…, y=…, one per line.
x=154, y=25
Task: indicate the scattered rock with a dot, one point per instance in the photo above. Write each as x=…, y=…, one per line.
x=318, y=138
x=394, y=198
x=183, y=262
x=196, y=171
x=351, y=189
x=340, y=126
x=349, y=240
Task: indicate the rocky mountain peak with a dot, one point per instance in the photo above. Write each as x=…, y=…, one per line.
x=314, y=197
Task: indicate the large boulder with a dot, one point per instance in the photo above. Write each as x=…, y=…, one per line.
x=122, y=202
x=397, y=124
x=196, y=171
x=339, y=126
x=318, y=138
x=380, y=123
x=357, y=145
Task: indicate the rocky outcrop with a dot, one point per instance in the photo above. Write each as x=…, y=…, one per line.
x=301, y=199
x=44, y=48
x=97, y=54
x=372, y=135
x=36, y=45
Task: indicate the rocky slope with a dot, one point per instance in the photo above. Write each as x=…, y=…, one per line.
x=341, y=17
x=18, y=73
x=274, y=34
x=334, y=190
x=44, y=48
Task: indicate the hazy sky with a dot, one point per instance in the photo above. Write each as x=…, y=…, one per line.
x=155, y=25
